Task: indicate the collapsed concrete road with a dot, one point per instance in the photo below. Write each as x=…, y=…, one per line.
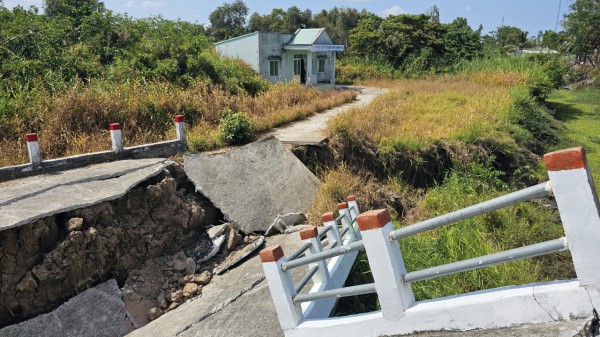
x=26, y=200
x=237, y=303
x=98, y=311
x=254, y=184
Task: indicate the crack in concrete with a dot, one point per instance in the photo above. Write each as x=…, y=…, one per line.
x=223, y=304
x=542, y=307
x=99, y=177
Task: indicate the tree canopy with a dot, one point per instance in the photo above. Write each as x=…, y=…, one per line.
x=583, y=26
x=229, y=20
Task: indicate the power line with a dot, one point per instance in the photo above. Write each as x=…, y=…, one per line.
x=558, y=15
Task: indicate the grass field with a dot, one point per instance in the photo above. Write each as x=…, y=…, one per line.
x=580, y=112
x=468, y=112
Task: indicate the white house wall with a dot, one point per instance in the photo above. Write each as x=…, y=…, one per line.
x=245, y=48
x=271, y=44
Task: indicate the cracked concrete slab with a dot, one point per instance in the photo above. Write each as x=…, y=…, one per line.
x=239, y=299
x=96, y=312
x=253, y=184
x=25, y=200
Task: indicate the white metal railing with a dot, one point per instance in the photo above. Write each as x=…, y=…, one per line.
x=573, y=188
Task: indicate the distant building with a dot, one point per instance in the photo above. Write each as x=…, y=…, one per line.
x=307, y=55
x=535, y=51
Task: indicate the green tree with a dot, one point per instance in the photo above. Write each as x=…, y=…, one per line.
x=553, y=40
x=367, y=38
x=76, y=10
x=509, y=36
x=434, y=14
x=339, y=22
x=583, y=28
x=412, y=36
x=228, y=20
x=461, y=41
x=281, y=21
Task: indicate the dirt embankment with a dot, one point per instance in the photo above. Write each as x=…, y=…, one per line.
x=47, y=262
x=424, y=167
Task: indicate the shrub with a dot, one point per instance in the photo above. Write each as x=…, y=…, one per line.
x=235, y=128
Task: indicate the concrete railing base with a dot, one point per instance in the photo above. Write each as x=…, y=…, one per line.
x=155, y=150
x=497, y=308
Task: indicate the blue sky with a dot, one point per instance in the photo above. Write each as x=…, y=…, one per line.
x=530, y=15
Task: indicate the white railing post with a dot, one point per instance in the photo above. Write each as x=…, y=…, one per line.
x=311, y=235
x=281, y=287
x=180, y=129
x=387, y=265
x=116, y=136
x=343, y=210
x=333, y=235
x=33, y=147
x=577, y=202
x=354, y=212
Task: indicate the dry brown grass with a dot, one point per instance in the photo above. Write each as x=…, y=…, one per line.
x=426, y=110
x=76, y=121
x=340, y=182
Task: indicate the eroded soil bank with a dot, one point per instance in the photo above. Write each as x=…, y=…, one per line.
x=45, y=263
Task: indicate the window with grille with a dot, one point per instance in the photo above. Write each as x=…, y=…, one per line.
x=274, y=68
x=322, y=65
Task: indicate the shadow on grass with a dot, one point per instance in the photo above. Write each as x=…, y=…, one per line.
x=565, y=111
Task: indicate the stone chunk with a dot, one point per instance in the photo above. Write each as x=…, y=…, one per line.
x=253, y=184
x=190, y=266
x=190, y=289
x=154, y=313
x=74, y=224
x=201, y=279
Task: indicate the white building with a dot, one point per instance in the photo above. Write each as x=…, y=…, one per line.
x=307, y=55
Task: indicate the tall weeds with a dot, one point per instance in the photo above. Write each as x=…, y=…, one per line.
x=76, y=120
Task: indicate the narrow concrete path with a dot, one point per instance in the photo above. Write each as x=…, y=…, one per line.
x=312, y=131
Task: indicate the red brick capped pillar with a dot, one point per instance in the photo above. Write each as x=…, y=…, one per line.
x=281, y=287
x=33, y=148
x=311, y=234
x=387, y=265
x=116, y=137
x=333, y=235
x=354, y=211
x=180, y=129
x=577, y=202
x=347, y=221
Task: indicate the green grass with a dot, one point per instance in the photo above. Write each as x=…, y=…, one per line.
x=579, y=110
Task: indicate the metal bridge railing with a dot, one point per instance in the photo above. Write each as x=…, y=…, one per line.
x=570, y=183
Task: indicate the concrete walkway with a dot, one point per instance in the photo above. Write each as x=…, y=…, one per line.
x=312, y=131
x=26, y=200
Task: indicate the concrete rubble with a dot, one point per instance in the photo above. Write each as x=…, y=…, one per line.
x=96, y=312
x=254, y=184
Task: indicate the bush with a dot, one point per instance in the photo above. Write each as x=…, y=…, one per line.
x=235, y=128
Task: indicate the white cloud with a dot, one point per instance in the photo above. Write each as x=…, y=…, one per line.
x=468, y=8
x=152, y=4
x=394, y=10
x=130, y=4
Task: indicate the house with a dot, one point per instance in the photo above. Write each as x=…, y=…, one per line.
x=308, y=55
